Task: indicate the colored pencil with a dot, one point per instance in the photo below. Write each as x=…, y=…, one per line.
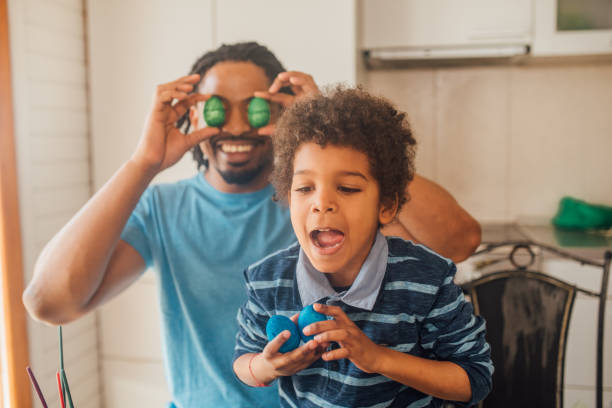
x=61, y=356
x=59, y=387
x=36, y=387
x=66, y=388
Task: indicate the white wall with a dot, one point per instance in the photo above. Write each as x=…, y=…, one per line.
x=47, y=42
x=136, y=44
x=509, y=141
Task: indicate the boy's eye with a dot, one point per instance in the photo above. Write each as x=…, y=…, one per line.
x=345, y=189
x=303, y=189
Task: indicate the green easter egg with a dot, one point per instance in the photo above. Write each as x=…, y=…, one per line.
x=214, y=112
x=259, y=112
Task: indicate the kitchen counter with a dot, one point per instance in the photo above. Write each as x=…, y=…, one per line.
x=586, y=244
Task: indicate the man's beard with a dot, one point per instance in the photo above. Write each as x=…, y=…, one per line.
x=242, y=177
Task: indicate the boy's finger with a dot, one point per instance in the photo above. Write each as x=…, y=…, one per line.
x=275, y=344
x=335, y=311
x=321, y=326
x=295, y=317
x=336, y=354
x=332, y=335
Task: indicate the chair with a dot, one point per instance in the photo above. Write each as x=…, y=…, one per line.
x=528, y=313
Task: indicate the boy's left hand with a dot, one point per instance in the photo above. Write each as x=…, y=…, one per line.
x=354, y=344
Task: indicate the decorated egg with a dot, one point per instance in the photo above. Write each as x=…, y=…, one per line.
x=259, y=112
x=214, y=112
x=276, y=325
x=308, y=316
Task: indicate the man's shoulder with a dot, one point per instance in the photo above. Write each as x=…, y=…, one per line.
x=417, y=263
x=277, y=265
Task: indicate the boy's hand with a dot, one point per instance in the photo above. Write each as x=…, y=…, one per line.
x=273, y=364
x=162, y=144
x=354, y=344
x=301, y=84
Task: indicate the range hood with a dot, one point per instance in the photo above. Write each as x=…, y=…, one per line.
x=400, y=30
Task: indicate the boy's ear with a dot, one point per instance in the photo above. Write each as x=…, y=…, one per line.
x=388, y=210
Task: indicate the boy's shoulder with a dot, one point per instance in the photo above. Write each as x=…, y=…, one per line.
x=417, y=263
x=277, y=265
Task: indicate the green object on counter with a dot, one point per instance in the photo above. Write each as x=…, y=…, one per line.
x=214, y=112
x=578, y=214
x=259, y=112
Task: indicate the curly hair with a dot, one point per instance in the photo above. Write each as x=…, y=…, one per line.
x=348, y=118
x=239, y=52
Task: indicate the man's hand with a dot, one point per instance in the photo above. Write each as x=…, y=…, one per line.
x=302, y=85
x=162, y=144
x=354, y=344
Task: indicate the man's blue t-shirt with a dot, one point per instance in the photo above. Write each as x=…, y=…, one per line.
x=199, y=241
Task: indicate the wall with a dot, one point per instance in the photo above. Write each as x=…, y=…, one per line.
x=127, y=61
x=509, y=141
x=51, y=131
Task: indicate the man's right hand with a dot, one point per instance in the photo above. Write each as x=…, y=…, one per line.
x=162, y=144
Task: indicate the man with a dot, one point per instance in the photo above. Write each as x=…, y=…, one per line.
x=199, y=234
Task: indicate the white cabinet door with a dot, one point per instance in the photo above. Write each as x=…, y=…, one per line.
x=444, y=23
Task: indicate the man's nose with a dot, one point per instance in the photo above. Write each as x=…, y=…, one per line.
x=236, y=122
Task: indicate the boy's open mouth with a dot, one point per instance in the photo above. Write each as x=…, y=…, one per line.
x=327, y=238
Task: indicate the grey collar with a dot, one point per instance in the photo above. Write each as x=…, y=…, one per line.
x=313, y=285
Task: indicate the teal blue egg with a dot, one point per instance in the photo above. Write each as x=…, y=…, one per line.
x=276, y=325
x=308, y=316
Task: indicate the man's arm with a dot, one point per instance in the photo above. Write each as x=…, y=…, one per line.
x=86, y=263
x=434, y=218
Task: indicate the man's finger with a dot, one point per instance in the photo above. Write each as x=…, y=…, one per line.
x=267, y=130
x=182, y=106
x=200, y=135
x=281, y=98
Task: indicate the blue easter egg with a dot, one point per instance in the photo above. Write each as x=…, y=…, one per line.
x=308, y=316
x=276, y=325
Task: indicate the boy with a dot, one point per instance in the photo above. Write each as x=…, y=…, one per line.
x=401, y=333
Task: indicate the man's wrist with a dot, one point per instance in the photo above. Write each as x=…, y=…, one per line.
x=143, y=167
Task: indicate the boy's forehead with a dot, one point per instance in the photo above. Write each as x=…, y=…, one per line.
x=312, y=158
x=234, y=80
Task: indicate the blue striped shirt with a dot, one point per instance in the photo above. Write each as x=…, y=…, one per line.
x=418, y=310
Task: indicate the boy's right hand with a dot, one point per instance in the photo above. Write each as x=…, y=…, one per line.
x=271, y=364
x=162, y=144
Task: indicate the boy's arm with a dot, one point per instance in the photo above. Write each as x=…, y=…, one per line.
x=434, y=218
x=441, y=379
